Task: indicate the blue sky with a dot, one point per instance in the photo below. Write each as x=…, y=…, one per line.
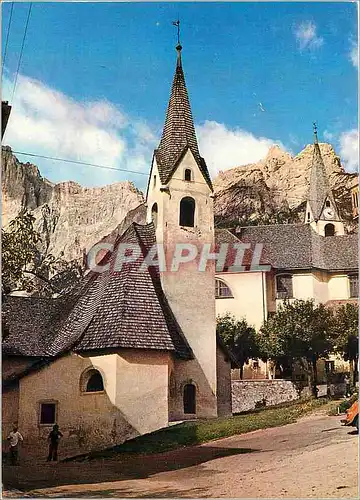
x=95, y=80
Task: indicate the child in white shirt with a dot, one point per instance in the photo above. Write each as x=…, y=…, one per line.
x=14, y=438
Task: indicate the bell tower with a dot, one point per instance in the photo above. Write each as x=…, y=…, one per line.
x=180, y=202
x=321, y=210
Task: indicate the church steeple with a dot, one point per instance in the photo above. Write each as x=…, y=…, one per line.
x=179, y=132
x=319, y=183
x=321, y=207
x=180, y=203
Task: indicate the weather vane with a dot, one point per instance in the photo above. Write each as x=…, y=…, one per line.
x=177, y=24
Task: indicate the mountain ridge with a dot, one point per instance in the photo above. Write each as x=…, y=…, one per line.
x=72, y=218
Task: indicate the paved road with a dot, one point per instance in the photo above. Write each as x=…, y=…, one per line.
x=313, y=458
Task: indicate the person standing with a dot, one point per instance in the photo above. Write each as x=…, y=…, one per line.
x=53, y=439
x=347, y=385
x=14, y=437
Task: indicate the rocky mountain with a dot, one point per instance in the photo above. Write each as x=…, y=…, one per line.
x=279, y=182
x=72, y=218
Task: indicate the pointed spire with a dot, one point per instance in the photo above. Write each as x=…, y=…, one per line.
x=319, y=184
x=179, y=131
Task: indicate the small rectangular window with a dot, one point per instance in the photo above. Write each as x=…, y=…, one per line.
x=154, y=180
x=47, y=413
x=284, y=286
x=354, y=286
x=329, y=366
x=188, y=175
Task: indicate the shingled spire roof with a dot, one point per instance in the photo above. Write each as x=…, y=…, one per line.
x=179, y=131
x=319, y=184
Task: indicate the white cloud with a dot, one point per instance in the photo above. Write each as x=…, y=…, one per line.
x=47, y=122
x=349, y=149
x=225, y=148
x=306, y=36
x=354, y=56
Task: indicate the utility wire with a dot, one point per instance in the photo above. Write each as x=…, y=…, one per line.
x=21, y=51
x=95, y=165
x=7, y=37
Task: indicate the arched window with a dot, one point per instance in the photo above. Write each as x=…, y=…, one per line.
x=154, y=214
x=327, y=203
x=354, y=286
x=284, y=286
x=190, y=399
x=329, y=230
x=222, y=290
x=95, y=382
x=308, y=216
x=92, y=381
x=187, y=212
x=188, y=174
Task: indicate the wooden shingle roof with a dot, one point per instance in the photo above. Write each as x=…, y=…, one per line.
x=179, y=132
x=115, y=309
x=298, y=246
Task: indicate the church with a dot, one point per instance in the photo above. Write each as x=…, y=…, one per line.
x=314, y=259
x=129, y=350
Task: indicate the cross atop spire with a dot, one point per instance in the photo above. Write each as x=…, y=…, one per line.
x=179, y=132
x=177, y=24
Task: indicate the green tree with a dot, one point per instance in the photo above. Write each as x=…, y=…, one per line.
x=347, y=336
x=25, y=268
x=239, y=337
x=299, y=331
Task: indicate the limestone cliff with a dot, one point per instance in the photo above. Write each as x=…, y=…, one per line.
x=69, y=217
x=278, y=182
x=72, y=218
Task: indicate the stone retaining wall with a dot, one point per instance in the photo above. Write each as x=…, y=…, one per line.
x=251, y=394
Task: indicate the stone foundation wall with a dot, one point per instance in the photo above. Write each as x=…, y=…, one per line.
x=250, y=394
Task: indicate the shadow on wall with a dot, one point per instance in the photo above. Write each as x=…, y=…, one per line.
x=186, y=373
x=123, y=468
x=85, y=413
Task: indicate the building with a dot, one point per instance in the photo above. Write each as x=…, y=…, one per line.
x=355, y=198
x=312, y=260
x=5, y=115
x=132, y=348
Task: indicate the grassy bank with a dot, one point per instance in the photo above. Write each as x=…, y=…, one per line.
x=192, y=433
x=340, y=407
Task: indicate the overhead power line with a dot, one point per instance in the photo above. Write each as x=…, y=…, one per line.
x=116, y=169
x=94, y=165
x=21, y=50
x=7, y=36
